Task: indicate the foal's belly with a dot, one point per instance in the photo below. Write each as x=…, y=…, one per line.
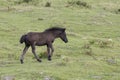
x=40, y=44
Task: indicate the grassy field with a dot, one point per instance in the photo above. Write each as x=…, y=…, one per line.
x=93, y=50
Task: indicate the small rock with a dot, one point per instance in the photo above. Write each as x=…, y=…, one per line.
x=97, y=77
x=8, y=78
x=47, y=78
x=111, y=61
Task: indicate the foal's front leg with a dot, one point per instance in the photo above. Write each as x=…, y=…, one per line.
x=33, y=51
x=50, y=51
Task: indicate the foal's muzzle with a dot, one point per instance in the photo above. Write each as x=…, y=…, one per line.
x=66, y=40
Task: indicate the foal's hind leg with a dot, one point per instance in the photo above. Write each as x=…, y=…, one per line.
x=22, y=55
x=33, y=51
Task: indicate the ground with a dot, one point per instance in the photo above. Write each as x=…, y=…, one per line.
x=92, y=27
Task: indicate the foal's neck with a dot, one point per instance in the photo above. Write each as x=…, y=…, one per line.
x=55, y=34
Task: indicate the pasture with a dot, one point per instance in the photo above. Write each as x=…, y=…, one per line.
x=93, y=31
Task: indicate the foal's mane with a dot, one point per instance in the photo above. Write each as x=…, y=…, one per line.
x=54, y=29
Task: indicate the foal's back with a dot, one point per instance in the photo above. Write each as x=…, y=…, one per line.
x=39, y=38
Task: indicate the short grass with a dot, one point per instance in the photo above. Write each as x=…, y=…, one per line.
x=85, y=26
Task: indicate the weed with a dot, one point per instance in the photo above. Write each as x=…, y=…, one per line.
x=92, y=42
x=48, y=4
x=27, y=1
x=19, y=2
x=102, y=43
x=79, y=3
x=42, y=55
x=40, y=19
x=32, y=2
x=86, y=49
x=105, y=43
x=117, y=11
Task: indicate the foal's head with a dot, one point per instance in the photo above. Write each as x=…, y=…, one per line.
x=63, y=36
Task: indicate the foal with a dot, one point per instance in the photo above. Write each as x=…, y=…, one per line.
x=42, y=38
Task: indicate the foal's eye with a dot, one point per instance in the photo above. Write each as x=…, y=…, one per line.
x=60, y=33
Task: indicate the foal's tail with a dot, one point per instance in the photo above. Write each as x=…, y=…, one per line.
x=22, y=39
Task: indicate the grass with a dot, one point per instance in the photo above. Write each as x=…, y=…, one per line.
x=69, y=62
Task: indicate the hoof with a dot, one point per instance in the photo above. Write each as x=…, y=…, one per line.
x=39, y=60
x=49, y=59
x=21, y=61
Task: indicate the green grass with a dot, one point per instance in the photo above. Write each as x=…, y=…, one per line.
x=69, y=61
